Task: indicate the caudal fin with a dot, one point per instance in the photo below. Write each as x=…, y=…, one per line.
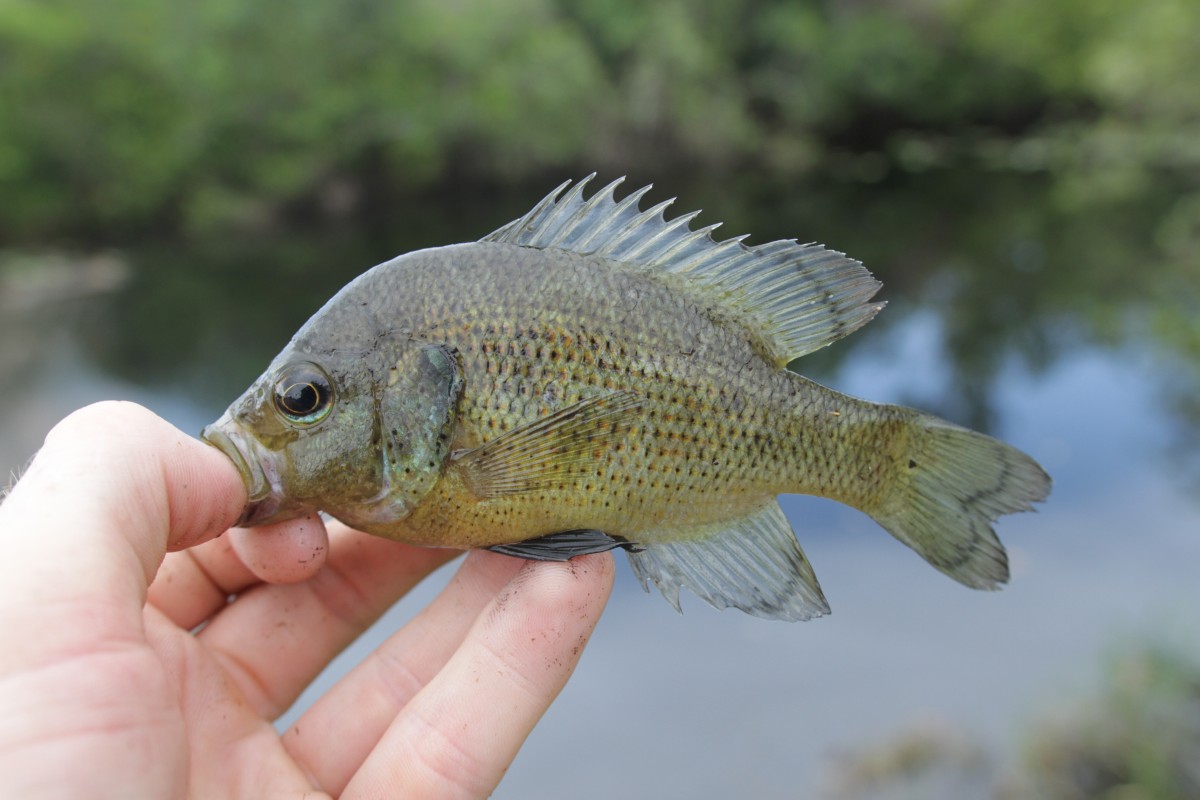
x=951, y=486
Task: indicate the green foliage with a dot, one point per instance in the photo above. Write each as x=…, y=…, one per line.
x=1131, y=64
x=192, y=116
x=1139, y=739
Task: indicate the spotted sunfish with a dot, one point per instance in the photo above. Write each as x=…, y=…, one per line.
x=593, y=376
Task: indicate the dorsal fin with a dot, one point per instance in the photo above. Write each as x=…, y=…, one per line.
x=798, y=297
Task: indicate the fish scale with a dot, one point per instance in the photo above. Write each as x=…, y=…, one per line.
x=593, y=376
x=668, y=468
x=710, y=377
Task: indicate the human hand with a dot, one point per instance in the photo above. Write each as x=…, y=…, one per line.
x=105, y=691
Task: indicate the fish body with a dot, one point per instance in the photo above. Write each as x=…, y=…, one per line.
x=593, y=376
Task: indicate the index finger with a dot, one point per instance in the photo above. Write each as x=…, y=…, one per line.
x=85, y=529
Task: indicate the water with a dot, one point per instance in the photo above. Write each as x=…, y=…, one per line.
x=1059, y=314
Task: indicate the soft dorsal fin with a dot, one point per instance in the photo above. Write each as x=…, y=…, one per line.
x=798, y=297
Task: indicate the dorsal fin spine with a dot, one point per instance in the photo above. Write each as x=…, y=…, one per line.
x=629, y=235
x=681, y=258
x=794, y=298
x=621, y=209
x=656, y=246
x=718, y=260
x=564, y=211
x=599, y=197
x=542, y=210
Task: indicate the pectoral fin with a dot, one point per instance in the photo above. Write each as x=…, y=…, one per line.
x=548, y=450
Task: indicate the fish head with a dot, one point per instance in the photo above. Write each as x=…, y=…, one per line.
x=301, y=437
x=361, y=434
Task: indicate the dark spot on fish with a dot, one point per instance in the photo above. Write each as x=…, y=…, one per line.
x=912, y=464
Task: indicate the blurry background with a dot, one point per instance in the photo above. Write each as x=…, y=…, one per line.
x=181, y=185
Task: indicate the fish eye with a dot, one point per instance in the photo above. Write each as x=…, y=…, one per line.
x=303, y=394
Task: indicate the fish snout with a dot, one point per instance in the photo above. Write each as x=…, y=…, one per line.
x=266, y=501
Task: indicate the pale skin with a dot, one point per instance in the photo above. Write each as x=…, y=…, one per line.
x=112, y=553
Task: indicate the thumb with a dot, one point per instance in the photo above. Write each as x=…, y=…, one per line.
x=111, y=490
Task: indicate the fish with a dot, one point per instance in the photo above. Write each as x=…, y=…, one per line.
x=593, y=376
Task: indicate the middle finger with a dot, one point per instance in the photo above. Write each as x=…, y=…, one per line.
x=379, y=687
x=275, y=639
x=193, y=584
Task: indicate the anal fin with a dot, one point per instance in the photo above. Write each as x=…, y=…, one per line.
x=564, y=545
x=754, y=564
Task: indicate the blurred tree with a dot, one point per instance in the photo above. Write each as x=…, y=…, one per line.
x=119, y=118
x=1138, y=739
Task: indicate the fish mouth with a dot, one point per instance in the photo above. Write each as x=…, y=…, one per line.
x=265, y=500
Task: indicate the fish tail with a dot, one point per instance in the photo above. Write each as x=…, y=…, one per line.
x=947, y=485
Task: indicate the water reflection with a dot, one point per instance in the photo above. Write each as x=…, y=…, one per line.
x=1059, y=312
x=1013, y=265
